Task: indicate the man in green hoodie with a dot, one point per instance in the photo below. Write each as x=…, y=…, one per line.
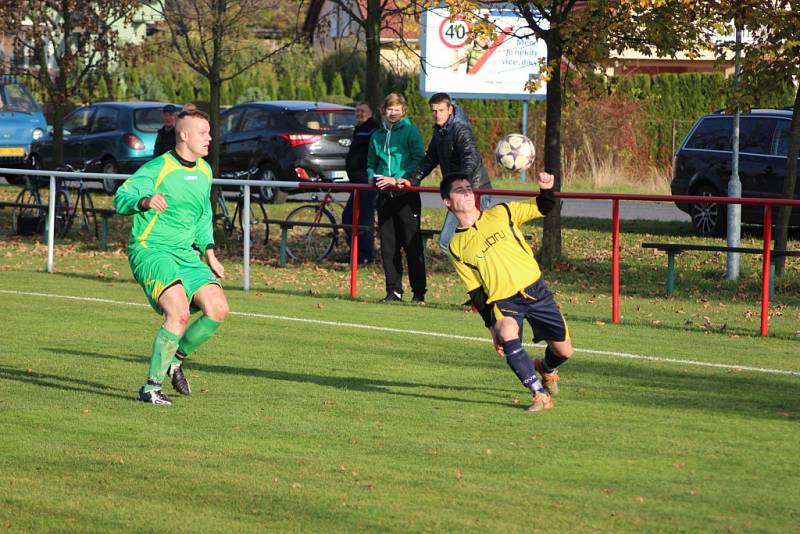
x=395, y=151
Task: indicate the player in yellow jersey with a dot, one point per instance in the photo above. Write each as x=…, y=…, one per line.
x=169, y=198
x=505, y=283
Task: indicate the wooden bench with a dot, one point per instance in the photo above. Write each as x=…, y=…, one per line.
x=673, y=249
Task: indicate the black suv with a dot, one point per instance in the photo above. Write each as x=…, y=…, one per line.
x=286, y=140
x=702, y=165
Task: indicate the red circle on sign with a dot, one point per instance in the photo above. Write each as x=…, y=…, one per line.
x=444, y=38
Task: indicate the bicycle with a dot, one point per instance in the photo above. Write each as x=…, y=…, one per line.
x=313, y=243
x=89, y=224
x=29, y=215
x=232, y=224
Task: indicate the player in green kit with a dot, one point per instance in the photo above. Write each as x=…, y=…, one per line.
x=170, y=200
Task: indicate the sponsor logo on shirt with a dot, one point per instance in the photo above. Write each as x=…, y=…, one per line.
x=191, y=178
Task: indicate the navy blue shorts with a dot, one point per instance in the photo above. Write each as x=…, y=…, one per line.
x=536, y=304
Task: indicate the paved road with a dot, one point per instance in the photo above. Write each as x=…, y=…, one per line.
x=597, y=209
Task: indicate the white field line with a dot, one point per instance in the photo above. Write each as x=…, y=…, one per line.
x=339, y=324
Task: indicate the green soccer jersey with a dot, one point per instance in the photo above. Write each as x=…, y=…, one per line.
x=493, y=254
x=187, y=220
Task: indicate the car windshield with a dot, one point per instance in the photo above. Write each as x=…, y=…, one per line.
x=148, y=119
x=15, y=97
x=325, y=120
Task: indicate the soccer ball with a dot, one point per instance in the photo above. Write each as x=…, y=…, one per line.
x=515, y=152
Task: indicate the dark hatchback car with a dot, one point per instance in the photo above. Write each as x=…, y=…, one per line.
x=117, y=136
x=286, y=140
x=702, y=165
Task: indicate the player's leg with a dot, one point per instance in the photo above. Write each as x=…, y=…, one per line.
x=548, y=324
x=205, y=294
x=175, y=307
x=507, y=327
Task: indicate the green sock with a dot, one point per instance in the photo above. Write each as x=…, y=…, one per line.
x=164, y=346
x=198, y=333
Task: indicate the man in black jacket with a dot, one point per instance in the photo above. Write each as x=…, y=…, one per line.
x=356, y=166
x=165, y=140
x=453, y=147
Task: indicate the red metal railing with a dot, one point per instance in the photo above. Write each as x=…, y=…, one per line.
x=615, y=199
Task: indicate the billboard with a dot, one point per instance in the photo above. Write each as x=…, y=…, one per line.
x=455, y=63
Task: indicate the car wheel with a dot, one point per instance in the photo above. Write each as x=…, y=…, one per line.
x=34, y=163
x=272, y=195
x=110, y=185
x=708, y=219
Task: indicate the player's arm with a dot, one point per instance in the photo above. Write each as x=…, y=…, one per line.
x=546, y=200
x=534, y=208
x=204, y=229
x=216, y=267
x=478, y=298
x=135, y=194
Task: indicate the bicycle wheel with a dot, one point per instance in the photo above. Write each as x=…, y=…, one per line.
x=64, y=214
x=258, y=217
x=89, y=226
x=27, y=220
x=221, y=214
x=309, y=243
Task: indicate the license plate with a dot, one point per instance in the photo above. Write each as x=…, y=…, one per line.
x=12, y=151
x=339, y=175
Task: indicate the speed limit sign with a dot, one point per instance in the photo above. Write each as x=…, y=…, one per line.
x=454, y=33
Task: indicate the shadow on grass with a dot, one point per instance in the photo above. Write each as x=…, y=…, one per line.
x=365, y=385
x=61, y=382
x=742, y=393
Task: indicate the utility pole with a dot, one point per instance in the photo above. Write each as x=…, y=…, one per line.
x=734, y=219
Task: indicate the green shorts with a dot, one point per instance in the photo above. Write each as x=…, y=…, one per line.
x=157, y=269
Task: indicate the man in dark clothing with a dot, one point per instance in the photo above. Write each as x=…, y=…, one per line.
x=165, y=140
x=356, y=166
x=453, y=147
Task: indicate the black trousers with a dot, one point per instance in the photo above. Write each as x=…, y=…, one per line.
x=399, y=223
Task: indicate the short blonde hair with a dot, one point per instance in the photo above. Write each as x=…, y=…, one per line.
x=394, y=99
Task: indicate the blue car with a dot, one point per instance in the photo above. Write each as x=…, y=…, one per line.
x=21, y=123
x=118, y=136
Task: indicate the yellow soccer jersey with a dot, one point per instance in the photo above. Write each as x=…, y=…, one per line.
x=492, y=253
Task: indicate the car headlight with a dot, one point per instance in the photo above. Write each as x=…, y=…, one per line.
x=37, y=134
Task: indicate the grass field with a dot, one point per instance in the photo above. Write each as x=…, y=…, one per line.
x=312, y=412
x=320, y=414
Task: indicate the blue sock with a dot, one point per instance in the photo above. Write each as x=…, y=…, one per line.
x=552, y=360
x=522, y=365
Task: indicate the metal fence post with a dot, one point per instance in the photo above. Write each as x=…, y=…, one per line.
x=51, y=223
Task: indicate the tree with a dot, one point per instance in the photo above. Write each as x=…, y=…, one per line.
x=393, y=16
x=68, y=43
x=218, y=40
x=769, y=59
x=582, y=36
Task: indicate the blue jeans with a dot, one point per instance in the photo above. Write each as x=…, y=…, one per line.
x=451, y=223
